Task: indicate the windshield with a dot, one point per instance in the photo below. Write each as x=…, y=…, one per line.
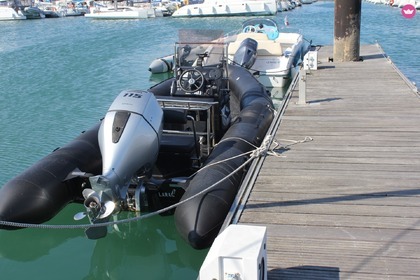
x=258, y=21
x=260, y=25
x=200, y=48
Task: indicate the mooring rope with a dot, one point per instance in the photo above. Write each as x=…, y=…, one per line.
x=264, y=149
x=145, y=216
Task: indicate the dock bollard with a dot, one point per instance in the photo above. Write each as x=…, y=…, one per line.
x=302, y=87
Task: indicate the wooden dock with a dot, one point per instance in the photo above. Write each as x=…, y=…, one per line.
x=345, y=205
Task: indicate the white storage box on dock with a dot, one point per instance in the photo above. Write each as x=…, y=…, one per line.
x=310, y=60
x=238, y=253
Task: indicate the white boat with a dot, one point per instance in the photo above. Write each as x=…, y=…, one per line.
x=124, y=12
x=10, y=11
x=162, y=6
x=277, y=51
x=408, y=2
x=50, y=10
x=33, y=13
x=73, y=9
x=162, y=64
x=283, y=5
x=228, y=8
x=395, y=3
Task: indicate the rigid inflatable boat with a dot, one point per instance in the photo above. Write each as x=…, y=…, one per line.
x=181, y=143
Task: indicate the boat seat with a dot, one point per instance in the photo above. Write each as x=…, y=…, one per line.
x=265, y=47
x=269, y=48
x=287, y=38
x=174, y=116
x=233, y=46
x=175, y=157
x=177, y=143
x=253, y=35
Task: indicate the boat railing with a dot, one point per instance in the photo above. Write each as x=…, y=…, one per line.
x=198, y=104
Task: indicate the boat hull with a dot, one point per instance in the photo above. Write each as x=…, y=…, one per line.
x=123, y=13
x=7, y=13
x=199, y=220
x=277, y=53
x=162, y=65
x=118, y=15
x=41, y=191
x=228, y=8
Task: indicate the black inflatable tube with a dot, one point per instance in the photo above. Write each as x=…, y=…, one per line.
x=163, y=88
x=40, y=192
x=199, y=220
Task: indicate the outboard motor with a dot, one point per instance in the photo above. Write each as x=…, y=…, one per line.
x=246, y=54
x=129, y=140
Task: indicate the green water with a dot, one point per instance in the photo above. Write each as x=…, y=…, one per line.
x=58, y=78
x=149, y=249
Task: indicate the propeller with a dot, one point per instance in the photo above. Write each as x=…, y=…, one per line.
x=95, y=209
x=97, y=212
x=106, y=209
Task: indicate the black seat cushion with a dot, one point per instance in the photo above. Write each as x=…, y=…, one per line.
x=177, y=144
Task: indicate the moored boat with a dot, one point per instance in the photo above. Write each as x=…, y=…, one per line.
x=278, y=51
x=50, y=10
x=73, y=9
x=211, y=8
x=10, y=11
x=124, y=12
x=33, y=13
x=173, y=145
x=162, y=64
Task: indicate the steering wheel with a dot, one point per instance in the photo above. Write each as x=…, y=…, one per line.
x=249, y=29
x=191, y=80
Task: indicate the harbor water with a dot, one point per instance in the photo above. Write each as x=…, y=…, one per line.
x=59, y=76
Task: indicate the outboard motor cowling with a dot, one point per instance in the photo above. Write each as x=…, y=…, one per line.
x=246, y=54
x=129, y=139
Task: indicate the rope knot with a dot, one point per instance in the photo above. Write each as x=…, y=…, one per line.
x=263, y=148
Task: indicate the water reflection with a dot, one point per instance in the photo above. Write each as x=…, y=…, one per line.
x=26, y=245
x=31, y=244
x=150, y=248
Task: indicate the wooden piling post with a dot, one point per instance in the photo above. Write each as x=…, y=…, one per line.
x=347, y=17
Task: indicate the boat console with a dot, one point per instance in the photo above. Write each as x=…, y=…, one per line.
x=200, y=70
x=196, y=109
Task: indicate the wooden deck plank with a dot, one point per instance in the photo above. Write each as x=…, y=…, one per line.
x=332, y=210
x=335, y=220
x=345, y=205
